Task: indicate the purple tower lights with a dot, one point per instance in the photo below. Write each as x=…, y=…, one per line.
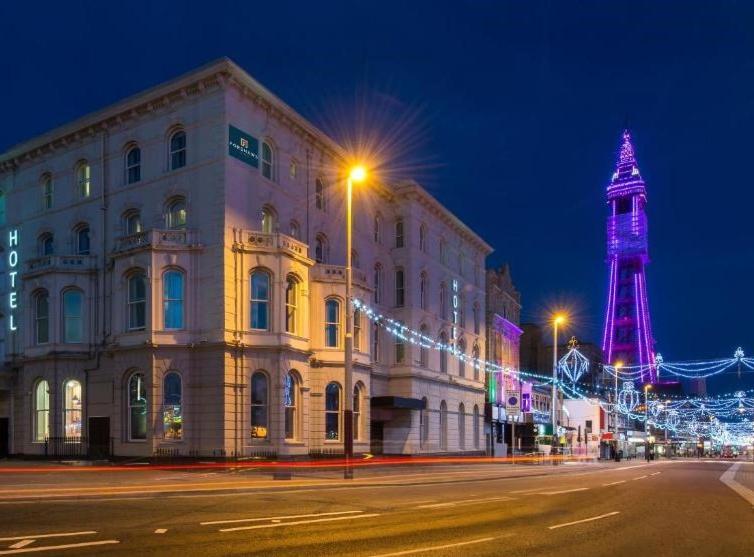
x=628, y=328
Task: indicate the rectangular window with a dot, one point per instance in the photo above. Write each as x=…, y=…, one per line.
x=357, y=330
x=400, y=289
x=332, y=323
x=173, y=299
x=376, y=343
x=72, y=317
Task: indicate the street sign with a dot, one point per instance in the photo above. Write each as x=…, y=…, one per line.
x=512, y=402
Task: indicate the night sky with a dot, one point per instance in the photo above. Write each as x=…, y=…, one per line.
x=510, y=113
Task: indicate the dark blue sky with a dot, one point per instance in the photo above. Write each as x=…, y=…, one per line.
x=517, y=109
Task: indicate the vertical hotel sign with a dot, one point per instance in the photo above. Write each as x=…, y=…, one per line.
x=454, y=330
x=12, y=275
x=243, y=146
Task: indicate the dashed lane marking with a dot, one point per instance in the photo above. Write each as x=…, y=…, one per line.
x=160, y=530
x=56, y=547
x=464, y=502
x=575, y=489
x=262, y=519
x=615, y=483
x=298, y=522
x=639, y=478
x=22, y=543
x=434, y=548
x=590, y=519
x=40, y=536
x=655, y=473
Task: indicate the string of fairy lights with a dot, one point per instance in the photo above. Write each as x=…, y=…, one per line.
x=699, y=416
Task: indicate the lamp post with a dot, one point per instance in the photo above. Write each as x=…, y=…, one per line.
x=557, y=320
x=646, y=420
x=356, y=174
x=617, y=366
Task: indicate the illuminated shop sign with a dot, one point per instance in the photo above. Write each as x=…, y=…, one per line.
x=12, y=274
x=453, y=331
x=243, y=146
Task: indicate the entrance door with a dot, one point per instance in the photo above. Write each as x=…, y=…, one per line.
x=99, y=437
x=4, y=436
x=376, y=437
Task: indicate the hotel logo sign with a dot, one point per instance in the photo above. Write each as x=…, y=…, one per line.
x=243, y=146
x=453, y=330
x=12, y=276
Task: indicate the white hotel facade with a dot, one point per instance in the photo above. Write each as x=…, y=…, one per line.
x=173, y=284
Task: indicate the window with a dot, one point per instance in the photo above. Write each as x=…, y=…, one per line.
x=423, y=290
x=260, y=300
x=443, y=352
x=475, y=359
x=73, y=301
x=443, y=426
x=41, y=411
x=399, y=233
x=357, y=412
x=424, y=423
x=423, y=347
x=377, y=283
x=376, y=342
x=132, y=222
x=293, y=170
x=400, y=289
x=137, y=301
x=178, y=150
x=268, y=161
x=268, y=220
x=355, y=263
x=377, y=228
x=82, y=240
x=133, y=165
x=172, y=299
x=332, y=323
x=357, y=329
x=400, y=346
x=290, y=401
x=476, y=426
x=83, y=180
x=42, y=317
x=295, y=230
x=47, y=192
x=423, y=237
x=461, y=427
x=443, y=301
x=319, y=195
x=137, y=408
x=461, y=310
x=321, y=249
x=462, y=358
x=291, y=304
x=175, y=217
x=477, y=321
x=72, y=409
x=172, y=416
x=259, y=402
x=332, y=411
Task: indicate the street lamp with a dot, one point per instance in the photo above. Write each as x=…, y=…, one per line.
x=558, y=319
x=646, y=419
x=617, y=367
x=356, y=174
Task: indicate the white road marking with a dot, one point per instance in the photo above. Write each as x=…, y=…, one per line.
x=729, y=479
x=22, y=543
x=615, y=483
x=639, y=478
x=583, y=520
x=39, y=536
x=655, y=473
x=276, y=525
x=160, y=530
x=562, y=491
x=433, y=548
x=236, y=521
x=56, y=547
x=464, y=502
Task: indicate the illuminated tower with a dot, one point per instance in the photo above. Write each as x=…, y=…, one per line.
x=628, y=328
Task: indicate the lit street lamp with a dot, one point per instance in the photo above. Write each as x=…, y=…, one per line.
x=558, y=319
x=356, y=174
x=617, y=367
x=646, y=419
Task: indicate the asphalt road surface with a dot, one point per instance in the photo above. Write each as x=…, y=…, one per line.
x=685, y=508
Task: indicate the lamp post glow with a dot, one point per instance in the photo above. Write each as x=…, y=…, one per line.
x=356, y=174
x=558, y=319
x=617, y=366
x=646, y=419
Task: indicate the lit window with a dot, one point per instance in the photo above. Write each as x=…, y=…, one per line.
x=260, y=300
x=295, y=230
x=356, y=412
x=268, y=161
x=72, y=409
x=319, y=195
x=84, y=180
x=83, y=241
x=172, y=414
x=268, y=220
x=332, y=323
x=399, y=233
x=132, y=222
x=290, y=401
x=133, y=165
x=137, y=408
x=178, y=150
x=73, y=302
x=41, y=411
x=47, y=192
x=42, y=318
x=176, y=214
x=291, y=305
x=400, y=288
x=137, y=301
x=332, y=411
x=259, y=401
x=172, y=298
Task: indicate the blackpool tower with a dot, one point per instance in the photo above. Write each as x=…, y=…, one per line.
x=628, y=328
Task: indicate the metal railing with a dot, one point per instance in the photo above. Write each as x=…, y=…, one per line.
x=66, y=447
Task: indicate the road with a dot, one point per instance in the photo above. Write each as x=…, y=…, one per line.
x=666, y=508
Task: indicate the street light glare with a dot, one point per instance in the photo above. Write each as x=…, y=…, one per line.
x=358, y=173
x=560, y=318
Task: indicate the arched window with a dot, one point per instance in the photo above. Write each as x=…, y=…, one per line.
x=357, y=329
x=462, y=358
x=132, y=222
x=47, y=192
x=476, y=426
x=72, y=409
x=424, y=423
x=377, y=228
x=172, y=299
x=41, y=317
x=137, y=301
x=423, y=290
x=291, y=304
x=137, y=408
x=461, y=427
x=73, y=326
x=443, y=426
x=175, y=215
x=260, y=300
x=82, y=240
x=290, y=403
x=133, y=165
x=357, y=429
x=259, y=405
x=400, y=288
x=177, y=150
x=45, y=244
x=477, y=319
x=443, y=301
x=41, y=410
x=321, y=249
x=172, y=399
x=295, y=230
x=423, y=347
x=443, y=352
x=268, y=220
x=399, y=240
x=475, y=359
x=332, y=411
x=400, y=346
x=319, y=195
x=83, y=179
x=423, y=237
x=268, y=161
x=377, y=283
x=332, y=323
x=355, y=263
x=376, y=342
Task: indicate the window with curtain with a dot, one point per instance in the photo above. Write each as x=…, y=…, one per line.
x=172, y=410
x=132, y=222
x=268, y=162
x=332, y=411
x=400, y=288
x=73, y=326
x=356, y=412
x=268, y=220
x=42, y=317
x=462, y=426
x=137, y=301
x=290, y=401
x=133, y=165
x=84, y=179
x=83, y=241
x=175, y=217
x=399, y=240
x=291, y=305
x=443, y=426
x=259, y=405
x=172, y=299
x=137, y=408
x=41, y=410
x=178, y=150
x=72, y=401
x=260, y=300
x=332, y=323
x=47, y=192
